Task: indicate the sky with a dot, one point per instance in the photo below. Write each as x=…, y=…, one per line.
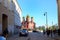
x=37, y=8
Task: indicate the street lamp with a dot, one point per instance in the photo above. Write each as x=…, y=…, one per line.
x=45, y=14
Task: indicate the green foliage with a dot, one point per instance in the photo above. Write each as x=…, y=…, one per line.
x=41, y=28
x=54, y=27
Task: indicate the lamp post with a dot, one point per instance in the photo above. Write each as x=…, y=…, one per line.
x=45, y=14
x=52, y=23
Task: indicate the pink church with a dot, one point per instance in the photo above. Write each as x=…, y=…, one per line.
x=28, y=24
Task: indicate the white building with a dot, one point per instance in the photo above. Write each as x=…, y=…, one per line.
x=17, y=14
x=13, y=12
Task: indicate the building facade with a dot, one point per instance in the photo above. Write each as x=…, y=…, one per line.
x=17, y=15
x=58, y=5
x=8, y=15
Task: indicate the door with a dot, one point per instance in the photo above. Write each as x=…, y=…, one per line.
x=4, y=22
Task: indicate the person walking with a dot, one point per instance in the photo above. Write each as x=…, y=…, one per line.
x=51, y=32
x=59, y=32
x=5, y=33
x=54, y=32
x=43, y=32
x=48, y=32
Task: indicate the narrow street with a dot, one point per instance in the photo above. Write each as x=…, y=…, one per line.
x=31, y=36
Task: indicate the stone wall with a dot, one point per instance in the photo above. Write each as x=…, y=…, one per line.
x=10, y=14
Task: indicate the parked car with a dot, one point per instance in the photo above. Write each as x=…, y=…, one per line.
x=2, y=38
x=23, y=32
x=35, y=31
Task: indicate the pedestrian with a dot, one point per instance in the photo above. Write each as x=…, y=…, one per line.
x=2, y=38
x=43, y=32
x=5, y=33
x=59, y=32
x=51, y=32
x=48, y=32
x=54, y=32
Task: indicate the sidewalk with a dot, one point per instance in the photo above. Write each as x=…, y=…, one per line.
x=54, y=37
x=12, y=37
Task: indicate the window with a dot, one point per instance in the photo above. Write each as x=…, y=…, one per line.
x=0, y=1
x=5, y=3
x=12, y=1
x=11, y=5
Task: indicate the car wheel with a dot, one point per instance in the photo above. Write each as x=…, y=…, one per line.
x=26, y=35
x=19, y=34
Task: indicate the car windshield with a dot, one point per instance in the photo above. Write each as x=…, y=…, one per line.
x=24, y=30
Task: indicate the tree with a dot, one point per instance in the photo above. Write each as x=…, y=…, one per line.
x=54, y=27
x=43, y=27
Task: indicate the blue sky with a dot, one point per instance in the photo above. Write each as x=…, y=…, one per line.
x=37, y=8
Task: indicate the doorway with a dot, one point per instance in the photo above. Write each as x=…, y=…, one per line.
x=4, y=22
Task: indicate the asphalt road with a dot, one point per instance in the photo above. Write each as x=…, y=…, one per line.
x=31, y=36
